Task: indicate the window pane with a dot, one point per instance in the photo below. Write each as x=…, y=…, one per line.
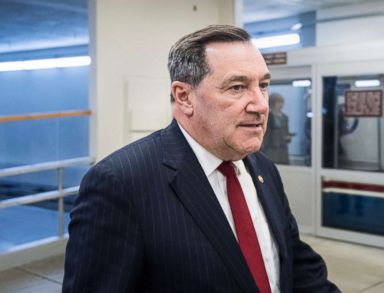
x=27, y=223
x=353, y=127
x=31, y=142
x=354, y=206
x=288, y=137
x=36, y=141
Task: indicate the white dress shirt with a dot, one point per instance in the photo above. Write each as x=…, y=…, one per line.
x=268, y=247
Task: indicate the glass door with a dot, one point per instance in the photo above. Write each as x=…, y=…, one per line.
x=350, y=178
x=288, y=140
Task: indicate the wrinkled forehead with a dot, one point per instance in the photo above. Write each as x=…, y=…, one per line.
x=234, y=56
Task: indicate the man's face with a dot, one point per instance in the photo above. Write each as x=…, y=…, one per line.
x=230, y=105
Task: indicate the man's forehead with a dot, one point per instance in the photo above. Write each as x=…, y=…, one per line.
x=236, y=61
x=233, y=50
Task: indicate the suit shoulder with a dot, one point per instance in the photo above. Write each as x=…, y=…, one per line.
x=134, y=155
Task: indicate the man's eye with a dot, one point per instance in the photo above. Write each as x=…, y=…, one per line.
x=264, y=85
x=237, y=88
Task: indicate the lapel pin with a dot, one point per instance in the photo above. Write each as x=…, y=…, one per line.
x=261, y=179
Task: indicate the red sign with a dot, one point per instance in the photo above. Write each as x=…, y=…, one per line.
x=363, y=103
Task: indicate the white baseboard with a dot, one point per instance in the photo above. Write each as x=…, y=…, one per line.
x=34, y=251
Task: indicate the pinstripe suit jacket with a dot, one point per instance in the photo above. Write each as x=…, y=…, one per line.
x=147, y=220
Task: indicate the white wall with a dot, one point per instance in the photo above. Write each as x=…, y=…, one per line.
x=358, y=23
x=130, y=40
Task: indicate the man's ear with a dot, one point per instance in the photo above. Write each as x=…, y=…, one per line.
x=181, y=92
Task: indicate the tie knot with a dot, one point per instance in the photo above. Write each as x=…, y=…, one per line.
x=227, y=169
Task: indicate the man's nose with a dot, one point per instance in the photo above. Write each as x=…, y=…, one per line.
x=258, y=101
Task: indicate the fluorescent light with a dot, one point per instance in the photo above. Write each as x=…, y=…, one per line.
x=367, y=83
x=277, y=41
x=301, y=83
x=73, y=61
x=297, y=26
x=45, y=63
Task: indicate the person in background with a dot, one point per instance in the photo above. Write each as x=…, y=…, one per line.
x=195, y=207
x=277, y=137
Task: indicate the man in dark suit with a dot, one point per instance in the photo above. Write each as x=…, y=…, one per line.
x=195, y=207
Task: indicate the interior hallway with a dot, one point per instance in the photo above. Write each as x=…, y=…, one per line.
x=354, y=268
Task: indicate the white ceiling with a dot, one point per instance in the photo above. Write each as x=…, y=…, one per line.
x=38, y=24
x=259, y=10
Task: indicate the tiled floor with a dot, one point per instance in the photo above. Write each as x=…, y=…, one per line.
x=39, y=277
x=353, y=268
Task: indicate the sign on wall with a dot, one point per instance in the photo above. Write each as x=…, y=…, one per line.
x=363, y=103
x=275, y=58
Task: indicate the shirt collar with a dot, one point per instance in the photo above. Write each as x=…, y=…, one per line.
x=208, y=161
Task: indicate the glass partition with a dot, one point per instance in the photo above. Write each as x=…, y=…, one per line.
x=26, y=144
x=27, y=223
x=35, y=141
x=353, y=124
x=353, y=206
x=288, y=137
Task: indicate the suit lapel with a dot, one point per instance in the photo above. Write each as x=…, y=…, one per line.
x=192, y=187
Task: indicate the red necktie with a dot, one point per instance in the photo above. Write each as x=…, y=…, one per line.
x=245, y=230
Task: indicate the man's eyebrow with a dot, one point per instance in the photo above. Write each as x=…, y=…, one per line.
x=242, y=78
x=267, y=76
x=234, y=78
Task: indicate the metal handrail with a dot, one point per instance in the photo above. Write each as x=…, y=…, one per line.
x=59, y=194
x=49, y=115
x=37, y=197
x=19, y=170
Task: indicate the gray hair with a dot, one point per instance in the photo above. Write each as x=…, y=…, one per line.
x=186, y=59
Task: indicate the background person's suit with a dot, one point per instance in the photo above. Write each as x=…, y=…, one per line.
x=147, y=220
x=277, y=138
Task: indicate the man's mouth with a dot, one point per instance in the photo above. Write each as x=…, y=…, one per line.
x=251, y=124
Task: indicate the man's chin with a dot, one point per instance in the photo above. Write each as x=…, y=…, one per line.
x=239, y=151
x=253, y=150
x=252, y=147
x=245, y=151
